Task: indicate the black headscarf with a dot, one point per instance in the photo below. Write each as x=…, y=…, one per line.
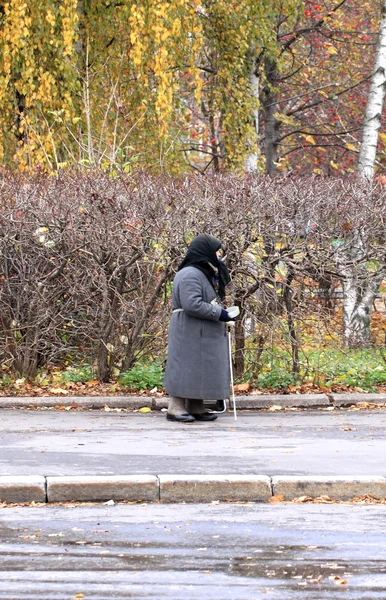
x=202, y=255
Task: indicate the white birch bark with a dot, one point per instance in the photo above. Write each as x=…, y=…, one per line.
x=373, y=114
x=357, y=311
x=360, y=287
x=252, y=158
x=87, y=106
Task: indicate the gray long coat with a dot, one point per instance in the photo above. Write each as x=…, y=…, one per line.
x=198, y=355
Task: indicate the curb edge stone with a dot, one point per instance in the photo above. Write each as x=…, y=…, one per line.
x=19, y=488
x=135, y=488
x=211, y=488
x=185, y=488
x=336, y=487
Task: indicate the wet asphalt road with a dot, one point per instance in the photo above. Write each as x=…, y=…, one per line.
x=341, y=442
x=186, y=552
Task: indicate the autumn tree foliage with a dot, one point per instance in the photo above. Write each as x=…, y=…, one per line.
x=37, y=78
x=374, y=107
x=322, y=90
x=167, y=85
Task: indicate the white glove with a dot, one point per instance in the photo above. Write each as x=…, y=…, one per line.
x=233, y=311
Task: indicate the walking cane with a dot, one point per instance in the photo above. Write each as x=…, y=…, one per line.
x=233, y=312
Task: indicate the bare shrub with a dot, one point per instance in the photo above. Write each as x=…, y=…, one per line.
x=86, y=263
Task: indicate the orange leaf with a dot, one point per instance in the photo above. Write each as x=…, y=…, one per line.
x=276, y=499
x=242, y=387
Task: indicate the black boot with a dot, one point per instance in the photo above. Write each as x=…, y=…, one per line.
x=177, y=411
x=196, y=409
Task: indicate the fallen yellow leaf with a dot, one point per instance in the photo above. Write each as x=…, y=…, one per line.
x=242, y=387
x=303, y=499
x=276, y=499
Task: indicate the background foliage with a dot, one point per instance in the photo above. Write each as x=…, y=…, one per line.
x=167, y=85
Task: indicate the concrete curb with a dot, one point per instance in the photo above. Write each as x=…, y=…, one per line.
x=341, y=488
x=268, y=400
x=93, y=402
x=210, y=488
x=135, y=488
x=312, y=401
x=353, y=399
x=285, y=401
x=22, y=489
x=186, y=488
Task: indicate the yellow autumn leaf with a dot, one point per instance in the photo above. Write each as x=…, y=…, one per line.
x=310, y=139
x=334, y=165
x=276, y=499
x=332, y=50
x=58, y=391
x=144, y=409
x=351, y=147
x=302, y=499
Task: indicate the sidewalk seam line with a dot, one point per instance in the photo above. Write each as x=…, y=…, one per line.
x=271, y=485
x=159, y=488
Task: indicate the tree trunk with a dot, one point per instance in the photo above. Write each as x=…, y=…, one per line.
x=271, y=124
x=358, y=303
x=213, y=143
x=373, y=114
x=359, y=286
x=20, y=116
x=239, y=341
x=287, y=296
x=109, y=317
x=252, y=158
x=359, y=290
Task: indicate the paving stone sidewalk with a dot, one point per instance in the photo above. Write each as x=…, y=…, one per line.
x=97, y=455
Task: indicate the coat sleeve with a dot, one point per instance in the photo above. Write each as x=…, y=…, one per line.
x=192, y=301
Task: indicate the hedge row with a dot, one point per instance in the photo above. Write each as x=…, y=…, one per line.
x=86, y=260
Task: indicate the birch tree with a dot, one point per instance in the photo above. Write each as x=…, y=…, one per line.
x=251, y=161
x=360, y=287
x=311, y=104
x=373, y=114
x=361, y=284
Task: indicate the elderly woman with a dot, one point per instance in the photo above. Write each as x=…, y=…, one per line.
x=198, y=356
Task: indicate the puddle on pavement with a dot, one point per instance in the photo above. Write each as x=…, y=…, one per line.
x=282, y=565
x=287, y=562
